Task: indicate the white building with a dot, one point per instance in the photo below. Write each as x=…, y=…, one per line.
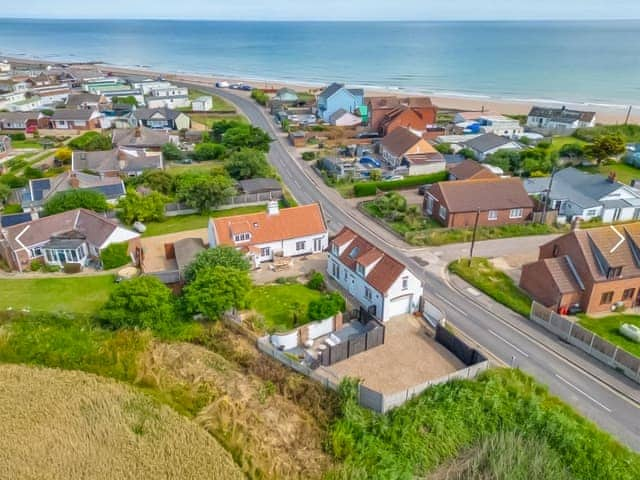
x=490, y=143
x=383, y=285
x=168, y=102
x=169, y=91
x=500, y=125
x=558, y=120
x=202, y=104
x=147, y=85
x=262, y=236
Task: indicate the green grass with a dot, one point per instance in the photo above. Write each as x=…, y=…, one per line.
x=624, y=172
x=282, y=306
x=559, y=142
x=219, y=104
x=18, y=144
x=192, y=222
x=175, y=168
x=498, y=285
x=82, y=294
x=447, y=420
x=401, y=227
x=607, y=328
x=210, y=119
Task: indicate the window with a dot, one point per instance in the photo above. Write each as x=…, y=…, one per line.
x=628, y=293
x=493, y=215
x=515, y=213
x=336, y=270
x=242, y=237
x=556, y=250
x=367, y=293
x=614, y=272
x=442, y=212
x=405, y=283
x=334, y=249
x=265, y=252
x=429, y=205
x=606, y=298
x=591, y=213
x=36, y=252
x=300, y=246
x=360, y=269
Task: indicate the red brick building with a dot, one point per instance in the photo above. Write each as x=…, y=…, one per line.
x=596, y=268
x=494, y=201
x=389, y=113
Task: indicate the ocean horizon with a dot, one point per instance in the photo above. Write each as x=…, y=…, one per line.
x=585, y=62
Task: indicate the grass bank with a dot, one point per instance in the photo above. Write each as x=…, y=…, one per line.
x=499, y=286
x=607, y=327
x=208, y=120
x=283, y=306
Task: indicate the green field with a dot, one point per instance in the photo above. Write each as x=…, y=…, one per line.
x=82, y=294
x=282, y=306
x=209, y=120
x=191, y=222
x=607, y=328
x=624, y=173
x=31, y=144
x=559, y=142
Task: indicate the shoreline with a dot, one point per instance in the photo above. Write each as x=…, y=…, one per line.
x=606, y=113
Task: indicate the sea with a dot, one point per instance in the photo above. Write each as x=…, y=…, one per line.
x=594, y=62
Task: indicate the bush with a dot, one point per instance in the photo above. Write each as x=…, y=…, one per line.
x=115, y=255
x=72, y=199
x=12, y=208
x=17, y=137
x=369, y=188
x=63, y=155
x=36, y=265
x=143, y=208
x=208, y=151
x=221, y=256
x=31, y=173
x=316, y=282
x=91, y=142
x=365, y=189
x=13, y=181
x=327, y=306
x=308, y=156
x=171, y=152
x=259, y=96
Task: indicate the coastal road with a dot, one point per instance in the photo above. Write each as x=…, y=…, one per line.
x=598, y=392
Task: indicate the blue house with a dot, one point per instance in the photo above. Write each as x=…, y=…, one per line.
x=336, y=97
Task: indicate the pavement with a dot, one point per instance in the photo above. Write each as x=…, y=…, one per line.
x=597, y=391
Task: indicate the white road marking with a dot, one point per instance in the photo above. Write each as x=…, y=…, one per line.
x=604, y=407
x=455, y=307
x=521, y=352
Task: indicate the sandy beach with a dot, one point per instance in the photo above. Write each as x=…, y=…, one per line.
x=606, y=114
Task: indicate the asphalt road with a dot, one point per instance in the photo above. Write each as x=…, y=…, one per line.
x=598, y=392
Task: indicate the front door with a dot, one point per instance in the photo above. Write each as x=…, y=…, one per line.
x=317, y=245
x=352, y=285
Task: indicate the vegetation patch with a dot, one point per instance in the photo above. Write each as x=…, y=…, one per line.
x=283, y=306
x=625, y=173
x=366, y=189
x=485, y=277
x=608, y=328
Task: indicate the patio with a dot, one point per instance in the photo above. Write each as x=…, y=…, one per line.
x=298, y=267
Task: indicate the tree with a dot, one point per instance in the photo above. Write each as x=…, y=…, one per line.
x=606, y=146
x=326, y=306
x=115, y=255
x=208, y=151
x=91, y=142
x=467, y=153
x=444, y=148
x=158, y=180
x=572, y=151
x=141, y=208
x=216, y=290
x=247, y=163
x=13, y=181
x=507, y=160
x=220, y=128
x=63, y=155
x=246, y=136
x=142, y=302
x=171, y=152
x=222, y=256
x=204, y=191
x=72, y=199
x=391, y=205
x=5, y=191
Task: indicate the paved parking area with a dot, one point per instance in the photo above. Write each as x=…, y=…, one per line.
x=155, y=259
x=408, y=357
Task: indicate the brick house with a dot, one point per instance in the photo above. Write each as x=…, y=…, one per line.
x=70, y=119
x=499, y=202
x=403, y=149
x=470, y=170
x=596, y=268
x=414, y=112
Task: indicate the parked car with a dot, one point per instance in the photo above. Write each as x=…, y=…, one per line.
x=246, y=88
x=368, y=135
x=235, y=86
x=370, y=161
x=423, y=189
x=392, y=178
x=222, y=84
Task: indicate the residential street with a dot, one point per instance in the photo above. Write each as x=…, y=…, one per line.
x=598, y=392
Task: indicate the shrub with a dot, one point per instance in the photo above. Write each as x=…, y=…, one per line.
x=36, y=265
x=365, y=189
x=327, y=306
x=316, y=282
x=72, y=199
x=370, y=188
x=221, y=256
x=63, y=155
x=259, y=96
x=208, y=151
x=171, y=152
x=308, y=156
x=13, y=181
x=12, y=208
x=31, y=173
x=115, y=255
x=91, y=142
x=17, y=137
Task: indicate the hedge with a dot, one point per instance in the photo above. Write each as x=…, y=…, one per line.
x=367, y=189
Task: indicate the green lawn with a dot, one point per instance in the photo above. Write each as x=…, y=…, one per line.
x=607, y=327
x=624, y=173
x=283, y=306
x=498, y=285
x=219, y=104
x=191, y=222
x=29, y=143
x=177, y=168
x=210, y=119
x=82, y=294
x=559, y=142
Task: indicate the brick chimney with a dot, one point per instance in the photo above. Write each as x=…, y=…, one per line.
x=612, y=177
x=74, y=181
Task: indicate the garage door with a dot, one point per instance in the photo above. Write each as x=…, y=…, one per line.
x=399, y=306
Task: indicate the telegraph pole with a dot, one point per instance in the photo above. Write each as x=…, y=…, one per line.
x=546, y=199
x=473, y=238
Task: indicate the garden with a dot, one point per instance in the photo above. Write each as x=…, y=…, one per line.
x=608, y=328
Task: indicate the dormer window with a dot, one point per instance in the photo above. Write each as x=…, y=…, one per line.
x=242, y=237
x=360, y=269
x=614, y=272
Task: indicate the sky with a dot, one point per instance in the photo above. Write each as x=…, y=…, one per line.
x=327, y=9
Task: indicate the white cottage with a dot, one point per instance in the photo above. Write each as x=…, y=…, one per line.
x=382, y=284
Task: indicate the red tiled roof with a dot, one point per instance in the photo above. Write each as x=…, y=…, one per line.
x=484, y=194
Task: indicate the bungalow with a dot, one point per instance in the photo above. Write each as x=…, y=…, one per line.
x=73, y=237
x=126, y=161
x=335, y=97
x=403, y=149
x=575, y=193
x=53, y=94
x=202, y=104
x=470, y=170
x=492, y=201
x=23, y=120
x=67, y=119
x=142, y=137
x=163, y=118
x=382, y=284
x=266, y=235
x=559, y=120
x=342, y=118
x=387, y=110
x=489, y=143
x=286, y=95
x=84, y=101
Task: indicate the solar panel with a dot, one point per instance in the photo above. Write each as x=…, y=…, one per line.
x=14, y=219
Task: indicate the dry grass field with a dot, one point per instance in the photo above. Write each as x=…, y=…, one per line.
x=58, y=424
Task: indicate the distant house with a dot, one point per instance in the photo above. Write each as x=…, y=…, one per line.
x=559, y=120
x=84, y=101
x=142, y=137
x=388, y=112
x=286, y=95
x=70, y=119
x=202, y=104
x=575, y=193
x=342, y=118
x=72, y=237
x=40, y=190
x=263, y=236
x=169, y=91
x=261, y=185
x=126, y=161
x=595, y=269
x=493, y=202
x=148, y=85
x=470, y=116
x=163, y=118
x=27, y=104
x=470, y=170
x=5, y=146
x=171, y=102
x=402, y=148
x=336, y=97
x=23, y=120
x=490, y=143
x=381, y=284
